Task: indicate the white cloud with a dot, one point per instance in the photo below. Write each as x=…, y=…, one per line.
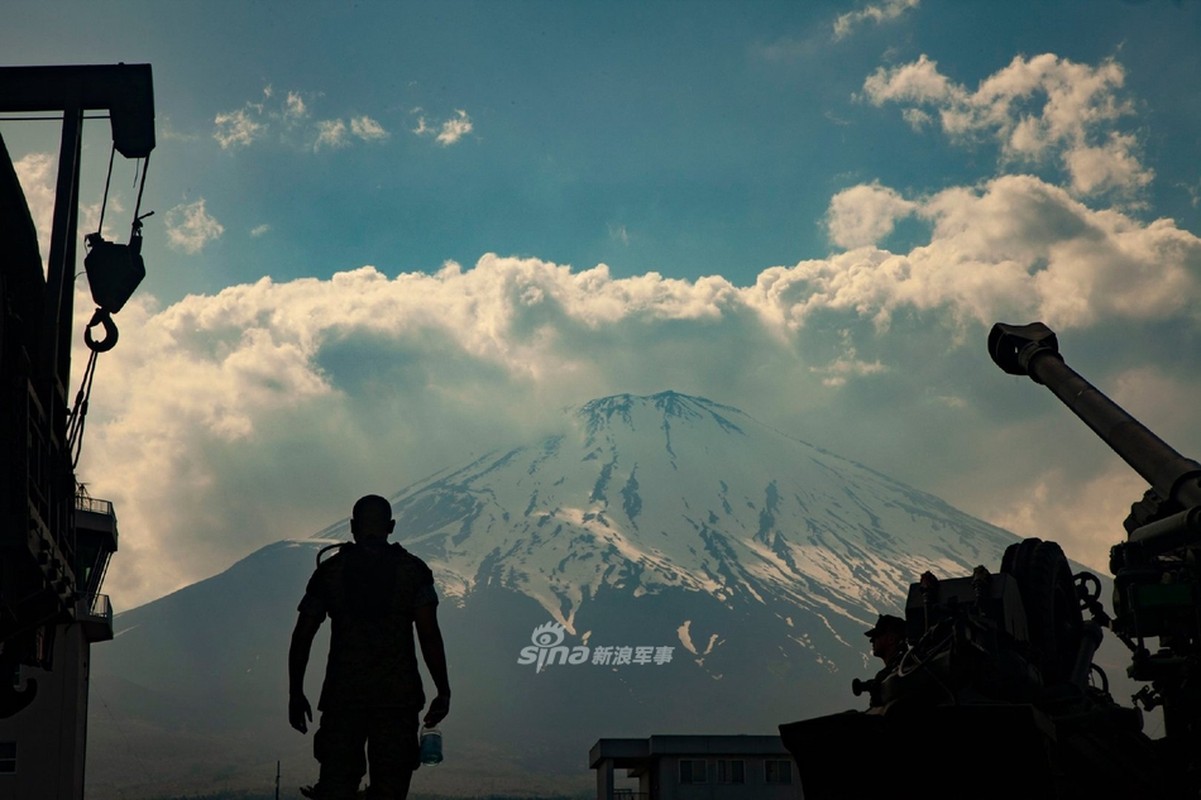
x=1037, y=109
x=367, y=129
x=37, y=172
x=190, y=227
x=290, y=120
x=455, y=128
x=883, y=12
x=1016, y=248
x=294, y=106
x=331, y=133
x=449, y=132
x=848, y=365
x=1112, y=165
x=238, y=128
x=917, y=118
x=260, y=230
x=865, y=214
x=919, y=82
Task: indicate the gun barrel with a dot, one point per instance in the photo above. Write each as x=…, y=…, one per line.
x=1033, y=350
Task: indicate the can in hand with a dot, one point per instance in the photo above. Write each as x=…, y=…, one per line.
x=431, y=746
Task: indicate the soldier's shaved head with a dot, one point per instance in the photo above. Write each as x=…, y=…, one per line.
x=372, y=517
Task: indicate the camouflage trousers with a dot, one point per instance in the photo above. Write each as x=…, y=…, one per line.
x=350, y=739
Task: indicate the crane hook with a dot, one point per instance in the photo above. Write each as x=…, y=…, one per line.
x=105, y=320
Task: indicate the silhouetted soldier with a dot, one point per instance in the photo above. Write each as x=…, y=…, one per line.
x=374, y=594
x=888, y=644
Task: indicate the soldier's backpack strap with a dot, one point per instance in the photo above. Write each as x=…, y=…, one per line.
x=328, y=547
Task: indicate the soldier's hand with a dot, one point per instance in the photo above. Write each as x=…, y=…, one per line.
x=439, y=708
x=299, y=711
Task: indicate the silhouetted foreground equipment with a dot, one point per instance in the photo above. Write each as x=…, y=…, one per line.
x=1000, y=681
x=55, y=542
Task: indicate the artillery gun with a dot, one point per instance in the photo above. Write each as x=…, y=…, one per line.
x=1000, y=681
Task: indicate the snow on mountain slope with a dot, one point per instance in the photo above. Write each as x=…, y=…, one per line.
x=644, y=493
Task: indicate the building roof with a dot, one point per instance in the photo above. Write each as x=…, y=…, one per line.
x=633, y=752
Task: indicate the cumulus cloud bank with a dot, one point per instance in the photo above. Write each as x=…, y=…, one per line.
x=313, y=390
x=1019, y=247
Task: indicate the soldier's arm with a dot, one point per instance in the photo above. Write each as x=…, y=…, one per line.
x=425, y=617
x=299, y=709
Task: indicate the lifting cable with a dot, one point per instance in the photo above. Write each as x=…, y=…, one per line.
x=80, y=411
x=101, y=317
x=108, y=179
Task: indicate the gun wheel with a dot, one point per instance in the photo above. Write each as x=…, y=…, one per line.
x=1051, y=603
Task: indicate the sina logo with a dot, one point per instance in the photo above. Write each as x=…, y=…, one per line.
x=548, y=648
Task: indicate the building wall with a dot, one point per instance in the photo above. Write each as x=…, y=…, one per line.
x=51, y=733
x=755, y=786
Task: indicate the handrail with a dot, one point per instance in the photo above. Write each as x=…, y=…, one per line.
x=97, y=605
x=93, y=504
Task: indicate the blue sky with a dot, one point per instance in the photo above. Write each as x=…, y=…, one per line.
x=809, y=210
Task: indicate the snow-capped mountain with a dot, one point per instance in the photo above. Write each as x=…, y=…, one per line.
x=697, y=571
x=641, y=494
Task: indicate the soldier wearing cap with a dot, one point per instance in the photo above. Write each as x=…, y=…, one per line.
x=888, y=644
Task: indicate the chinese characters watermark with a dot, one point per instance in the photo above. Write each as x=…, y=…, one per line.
x=548, y=649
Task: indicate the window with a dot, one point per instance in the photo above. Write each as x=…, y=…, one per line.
x=777, y=770
x=8, y=758
x=730, y=770
x=692, y=770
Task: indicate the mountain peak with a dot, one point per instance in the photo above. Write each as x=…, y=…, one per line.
x=659, y=408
